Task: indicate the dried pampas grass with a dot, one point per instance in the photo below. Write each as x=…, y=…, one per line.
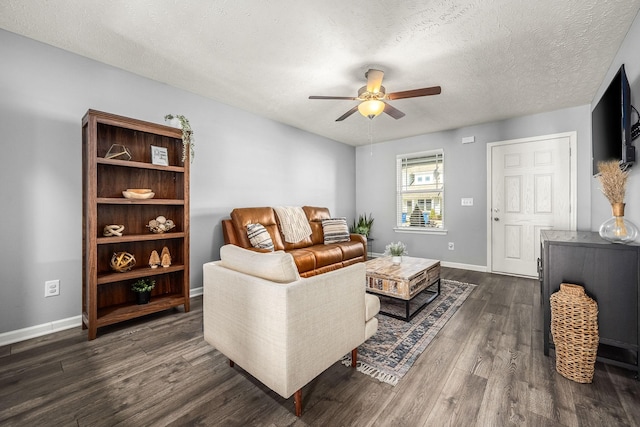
x=613, y=180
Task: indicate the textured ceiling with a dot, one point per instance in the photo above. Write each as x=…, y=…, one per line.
x=493, y=59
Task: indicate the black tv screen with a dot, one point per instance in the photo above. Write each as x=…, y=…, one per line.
x=611, y=124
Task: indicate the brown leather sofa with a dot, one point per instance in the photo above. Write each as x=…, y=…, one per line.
x=311, y=255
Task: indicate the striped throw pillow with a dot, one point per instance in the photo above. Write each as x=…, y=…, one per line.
x=259, y=237
x=335, y=230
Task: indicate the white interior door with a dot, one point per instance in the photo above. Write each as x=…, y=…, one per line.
x=530, y=190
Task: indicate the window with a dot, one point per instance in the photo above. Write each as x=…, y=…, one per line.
x=420, y=183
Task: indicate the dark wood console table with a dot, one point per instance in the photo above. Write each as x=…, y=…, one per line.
x=610, y=274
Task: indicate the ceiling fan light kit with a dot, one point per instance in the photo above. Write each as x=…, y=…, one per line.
x=373, y=95
x=371, y=108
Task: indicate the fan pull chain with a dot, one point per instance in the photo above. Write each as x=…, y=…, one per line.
x=371, y=137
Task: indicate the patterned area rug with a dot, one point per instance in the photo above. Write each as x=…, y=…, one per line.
x=388, y=355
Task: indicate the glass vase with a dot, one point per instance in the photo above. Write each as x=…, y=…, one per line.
x=617, y=229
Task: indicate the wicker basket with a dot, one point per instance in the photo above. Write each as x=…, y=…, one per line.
x=574, y=328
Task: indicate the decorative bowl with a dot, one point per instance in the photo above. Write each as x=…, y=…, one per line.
x=139, y=190
x=160, y=225
x=133, y=193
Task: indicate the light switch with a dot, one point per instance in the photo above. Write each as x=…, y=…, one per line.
x=467, y=201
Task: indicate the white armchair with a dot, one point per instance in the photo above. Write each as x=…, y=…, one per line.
x=282, y=329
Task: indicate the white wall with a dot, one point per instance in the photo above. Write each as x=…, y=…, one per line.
x=241, y=160
x=465, y=176
x=627, y=55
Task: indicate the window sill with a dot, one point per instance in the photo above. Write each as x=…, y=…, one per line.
x=439, y=231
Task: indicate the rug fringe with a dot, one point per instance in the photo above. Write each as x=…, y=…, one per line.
x=373, y=372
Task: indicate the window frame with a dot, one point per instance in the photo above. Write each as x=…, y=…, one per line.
x=401, y=190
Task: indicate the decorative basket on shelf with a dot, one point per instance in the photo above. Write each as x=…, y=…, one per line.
x=160, y=225
x=574, y=328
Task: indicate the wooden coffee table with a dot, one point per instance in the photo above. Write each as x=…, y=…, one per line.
x=404, y=281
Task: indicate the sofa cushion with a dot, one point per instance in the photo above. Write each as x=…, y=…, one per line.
x=315, y=215
x=259, y=236
x=241, y=217
x=326, y=255
x=275, y=266
x=351, y=249
x=305, y=260
x=335, y=230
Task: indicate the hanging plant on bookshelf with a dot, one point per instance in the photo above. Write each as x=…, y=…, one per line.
x=181, y=121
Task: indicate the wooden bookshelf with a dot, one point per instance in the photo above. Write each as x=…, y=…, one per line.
x=106, y=294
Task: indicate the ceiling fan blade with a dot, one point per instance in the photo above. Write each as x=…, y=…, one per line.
x=435, y=90
x=349, y=98
x=393, y=111
x=347, y=114
x=374, y=80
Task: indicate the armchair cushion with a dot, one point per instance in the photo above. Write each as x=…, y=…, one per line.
x=274, y=266
x=371, y=306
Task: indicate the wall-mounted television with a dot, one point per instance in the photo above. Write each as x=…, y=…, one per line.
x=611, y=124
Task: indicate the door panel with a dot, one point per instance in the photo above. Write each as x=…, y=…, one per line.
x=530, y=185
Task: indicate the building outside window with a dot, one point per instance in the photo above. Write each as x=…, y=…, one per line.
x=420, y=195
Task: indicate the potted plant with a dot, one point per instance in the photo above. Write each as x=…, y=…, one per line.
x=396, y=250
x=143, y=288
x=363, y=226
x=187, y=134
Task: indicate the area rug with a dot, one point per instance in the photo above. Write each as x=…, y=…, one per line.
x=390, y=353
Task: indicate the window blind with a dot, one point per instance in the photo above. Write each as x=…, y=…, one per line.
x=420, y=189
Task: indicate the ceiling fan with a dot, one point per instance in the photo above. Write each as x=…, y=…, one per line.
x=373, y=97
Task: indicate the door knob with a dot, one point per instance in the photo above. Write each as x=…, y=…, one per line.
x=496, y=219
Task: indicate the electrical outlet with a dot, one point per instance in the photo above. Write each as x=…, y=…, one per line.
x=451, y=246
x=51, y=288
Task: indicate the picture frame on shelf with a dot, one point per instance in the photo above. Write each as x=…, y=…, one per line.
x=159, y=156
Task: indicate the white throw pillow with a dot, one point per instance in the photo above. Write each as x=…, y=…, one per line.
x=275, y=266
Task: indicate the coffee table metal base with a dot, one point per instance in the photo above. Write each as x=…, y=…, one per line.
x=408, y=316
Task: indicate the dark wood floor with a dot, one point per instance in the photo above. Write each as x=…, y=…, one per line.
x=485, y=368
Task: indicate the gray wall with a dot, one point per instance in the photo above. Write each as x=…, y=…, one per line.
x=466, y=172
x=241, y=160
x=627, y=55
x=465, y=176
